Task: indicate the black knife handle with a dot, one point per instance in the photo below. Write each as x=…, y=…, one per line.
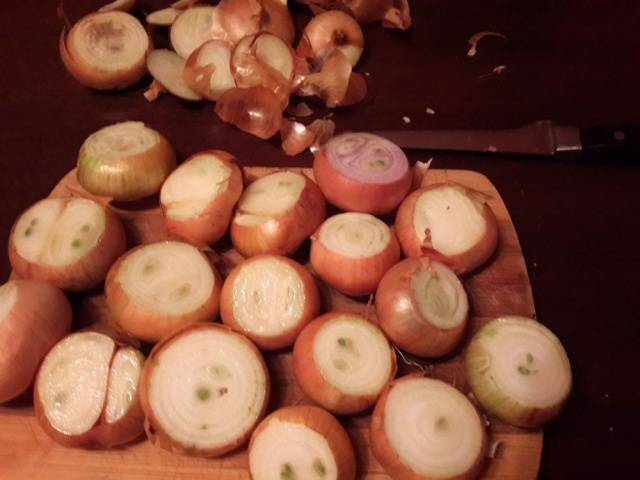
x=621, y=142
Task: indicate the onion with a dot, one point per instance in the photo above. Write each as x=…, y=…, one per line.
x=363, y=173
x=423, y=429
x=449, y=222
x=398, y=16
x=270, y=299
x=208, y=69
x=352, y=251
x=393, y=13
x=422, y=307
x=68, y=242
x=86, y=392
x=297, y=137
x=301, y=442
x=255, y=110
x=195, y=26
x=33, y=317
x=276, y=213
x=120, y=5
x=247, y=17
x=167, y=69
x=198, y=197
x=125, y=161
x=203, y=390
x=342, y=362
x=518, y=371
x=155, y=289
x=163, y=17
x=106, y=50
x=331, y=84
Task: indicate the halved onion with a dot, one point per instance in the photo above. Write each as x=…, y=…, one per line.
x=247, y=17
x=519, y=371
x=155, y=289
x=422, y=307
x=276, y=213
x=362, y=172
x=255, y=110
x=352, y=251
x=208, y=69
x=86, y=392
x=301, y=442
x=167, y=67
x=425, y=429
x=106, y=50
x=342, y=362
x=194, y=26
x=125, y=161
x=68, y=242
x=33, y=317
x=203, y=390
x=450, y=223
x=197, y=199
x=270, y=299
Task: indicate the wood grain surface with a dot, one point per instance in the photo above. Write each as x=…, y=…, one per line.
x=501, y=287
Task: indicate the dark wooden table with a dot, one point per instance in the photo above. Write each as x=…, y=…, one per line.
x=571, y=61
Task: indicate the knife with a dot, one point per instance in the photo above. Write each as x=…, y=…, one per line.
x=542, y=138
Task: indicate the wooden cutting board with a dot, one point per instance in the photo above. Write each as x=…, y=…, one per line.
x=501, y=287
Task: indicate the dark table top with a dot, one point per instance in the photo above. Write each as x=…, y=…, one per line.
x=572, y=61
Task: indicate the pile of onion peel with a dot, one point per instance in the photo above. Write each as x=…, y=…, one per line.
x=297, y=137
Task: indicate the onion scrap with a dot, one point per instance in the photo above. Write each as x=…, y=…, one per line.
x=474, y=40
x=296, y=137
x=393, y=13
x=255, y=110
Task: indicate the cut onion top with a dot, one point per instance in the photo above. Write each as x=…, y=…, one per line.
x=329, y=31
x=518, y=371
x=163, y=17
x=204, y=389
x=167, y=68
x=255, y=110
x=355, y=235
x=125, y=161
x=269, y=196
x=425, y=428
x=124, y=378
x=208, y=69
x=195, y=26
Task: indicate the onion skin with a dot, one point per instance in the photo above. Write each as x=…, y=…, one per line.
x=86, y=272
x=461, y=263
x=325, y=424
x=39, y=318
x=156, y=434
x=287, y=338
x=311, y=381
x=198, y=76
x=285, y=234
x=399, y=314
x=255, y=110
x=247, y=17
x=389, y=459
x=210, y=225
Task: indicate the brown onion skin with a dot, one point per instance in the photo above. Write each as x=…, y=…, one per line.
x=322, y=422
x=285, y=234
x=156, y=434
x=353, y=276
x=210, y=225
x=356, y=196
x=311, y=381
x=286, y=338
x=40, y=317
x=399, y=314
x=86, y=272
x=255, y=110
x=197, y=76
x=150, y=326
x=461, y=263
x=246, y=17
x=389, y=459
x=328, y=31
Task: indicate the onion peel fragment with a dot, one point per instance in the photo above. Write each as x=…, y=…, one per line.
x=255, y=110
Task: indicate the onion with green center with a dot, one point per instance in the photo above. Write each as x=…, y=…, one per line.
x=342, y=362
x=155, y=289
x=68, y=242
x=301, y=442
x=352, y=251
x=125, y=161
x=518, y=371
x=106, y=50
x=203, y=390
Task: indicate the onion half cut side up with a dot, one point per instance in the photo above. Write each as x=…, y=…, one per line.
x=86, y=392
x=167, y=69
x=425, y=429
x=342, y=362
x=450, y=223
x=155, y=289
x=194, y=26
x=422, y=307
x=68, y=242
x=197, y=199
x=361, y=172
x=301, y=442
x=519, y=371
x=125, y=161
x=276, y=213
x=34, y=316
x=270, y=299
x=208, y=70
x=352, y=251
x=106, y=50
x=203, y=391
